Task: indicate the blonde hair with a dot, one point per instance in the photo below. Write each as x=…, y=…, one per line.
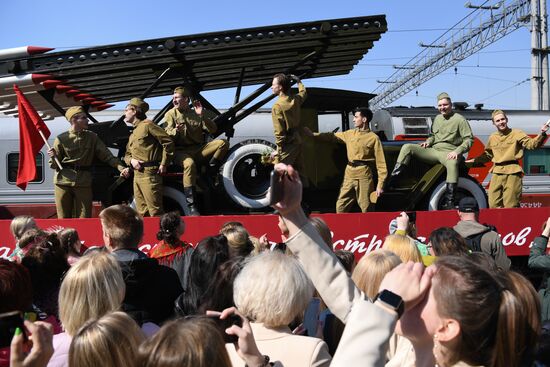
x=20, y=224
x=272, y=288
x=92, y=287
x=193, y=342
x=402, y=246
x=238, y=240
x=111, y=341
x=372, y=268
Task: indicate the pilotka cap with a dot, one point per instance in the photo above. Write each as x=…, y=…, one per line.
x=497, y=112
x=138, y=102
x=183, y=91
x=73, y=111
x=443, y=95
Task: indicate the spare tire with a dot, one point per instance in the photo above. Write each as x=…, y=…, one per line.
x=245, y=177
x=466, y=187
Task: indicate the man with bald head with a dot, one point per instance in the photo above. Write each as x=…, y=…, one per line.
x=505, y=149
x=451, y=136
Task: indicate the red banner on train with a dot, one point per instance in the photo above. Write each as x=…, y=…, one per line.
x=357, y=232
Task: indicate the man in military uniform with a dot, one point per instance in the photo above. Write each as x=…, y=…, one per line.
x=363, y=148
x=188, y=127
x=286, y=120
x=451, y=137
x=149, y=151
x=505, y=149
x=76, y=150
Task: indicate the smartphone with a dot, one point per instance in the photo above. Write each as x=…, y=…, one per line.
x=275, y=188
x=412, y=217
x=311, y=316
x=10, y=321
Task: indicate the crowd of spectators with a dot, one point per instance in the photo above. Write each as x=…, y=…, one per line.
x=237, y=300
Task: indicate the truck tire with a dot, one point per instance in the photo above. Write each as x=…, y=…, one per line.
x=245, y=177
x=466, y=187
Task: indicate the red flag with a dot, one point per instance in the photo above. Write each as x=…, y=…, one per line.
x=30, y=141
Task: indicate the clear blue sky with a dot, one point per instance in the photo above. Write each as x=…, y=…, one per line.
x=490, y=77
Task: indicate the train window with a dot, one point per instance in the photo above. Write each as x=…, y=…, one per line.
x=416, y=125
x=537, y=162
x=13, y=163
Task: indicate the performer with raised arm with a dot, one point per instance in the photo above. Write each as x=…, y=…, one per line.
x=505, y=149
x=189, y=127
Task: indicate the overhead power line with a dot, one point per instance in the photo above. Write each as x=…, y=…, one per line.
x=459, y=44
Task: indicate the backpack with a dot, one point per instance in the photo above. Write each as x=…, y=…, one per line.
x=474, y=241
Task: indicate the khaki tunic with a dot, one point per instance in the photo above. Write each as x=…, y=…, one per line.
x=191, y=145
x=149, y=143
x=285, y=114
x=73, y=192
x=452, y=134
x=505, y=149
x=362, y=146
x=194, y=127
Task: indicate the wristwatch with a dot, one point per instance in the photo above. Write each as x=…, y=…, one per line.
x=391, y=300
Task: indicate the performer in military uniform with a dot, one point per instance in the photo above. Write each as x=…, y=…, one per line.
x=149, y=151
x=188, y=127
x=286, y=120
x=505, y=149
x=363, y=148
x=451, y=136
x=76, y=149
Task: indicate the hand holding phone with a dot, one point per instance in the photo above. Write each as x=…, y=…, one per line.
x=276, y=190
x=10, y=321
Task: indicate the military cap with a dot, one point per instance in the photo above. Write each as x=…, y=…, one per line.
x=183, y=91
x=73, y=111
x=497, y=112
x=443, y=95
x=138, y=102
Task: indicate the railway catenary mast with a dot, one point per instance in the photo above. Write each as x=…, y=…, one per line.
x=485, y=25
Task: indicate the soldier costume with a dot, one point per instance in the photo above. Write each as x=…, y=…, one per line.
x=450, y=133
x=363, y=148
x=76, y=150
x=285, y=114
x=505, y=149
x=153, y=149
x=189, y=129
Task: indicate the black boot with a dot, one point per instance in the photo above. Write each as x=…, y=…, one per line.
x=214, y=171
x=450, y=194
x=189, y=198
x=397, y=171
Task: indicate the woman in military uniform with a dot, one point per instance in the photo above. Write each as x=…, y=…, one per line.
x=76, y=150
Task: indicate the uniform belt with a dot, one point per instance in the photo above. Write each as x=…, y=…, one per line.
x=150, y=164
x=77, y=167
x=357, y=163
x=505, y=163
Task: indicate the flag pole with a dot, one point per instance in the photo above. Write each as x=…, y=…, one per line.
x=49, y=147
